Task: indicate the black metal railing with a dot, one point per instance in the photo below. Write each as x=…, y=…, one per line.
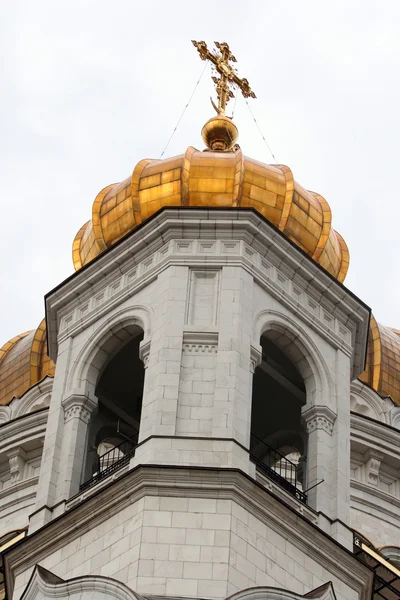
x=111, y=461
x=276, y=467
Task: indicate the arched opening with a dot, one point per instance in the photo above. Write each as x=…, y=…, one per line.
x=114, y=431
x=278, y=443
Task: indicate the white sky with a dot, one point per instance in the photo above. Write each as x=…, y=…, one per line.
x=88, y=88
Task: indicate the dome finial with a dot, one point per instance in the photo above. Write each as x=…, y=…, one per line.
x=220, y=133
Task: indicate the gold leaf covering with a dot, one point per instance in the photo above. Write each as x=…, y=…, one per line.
x=214, y=179
x=209, y=179
x=23, y=363
x=382, y=371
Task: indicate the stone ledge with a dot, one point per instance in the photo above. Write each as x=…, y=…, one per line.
x=155, y=480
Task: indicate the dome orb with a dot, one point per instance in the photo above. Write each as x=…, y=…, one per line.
x=220, y=134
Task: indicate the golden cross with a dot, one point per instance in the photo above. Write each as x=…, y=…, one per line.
x=228, y=74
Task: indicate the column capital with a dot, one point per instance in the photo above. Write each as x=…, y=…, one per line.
x=255, y=358
x=319, y=417
x=78, y=406
x=144, y=352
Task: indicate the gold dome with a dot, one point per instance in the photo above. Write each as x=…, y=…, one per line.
x=382, y=372
x=23, y=363
x=214, y=179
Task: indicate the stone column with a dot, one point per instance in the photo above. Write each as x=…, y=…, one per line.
x=163, y=362
x=78, y=410
x=233, y=385
x=319, y=422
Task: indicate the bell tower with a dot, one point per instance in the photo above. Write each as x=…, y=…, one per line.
x=198, y=435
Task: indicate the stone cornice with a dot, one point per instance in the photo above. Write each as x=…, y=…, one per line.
x=20, y=492
x=199, y=482
x=30, y=426
x=46, y=585
x=376, y=434
x=22, y=405
x=195, y=342
x=273, y=260
x=392, y=504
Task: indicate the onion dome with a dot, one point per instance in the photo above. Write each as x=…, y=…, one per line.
x=382, y=372
x=214, y=178
x=23, y=363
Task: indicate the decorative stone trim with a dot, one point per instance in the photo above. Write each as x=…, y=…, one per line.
x=44, y=584
x=255, y=358
x=5, y=414
x=78, y=407
x=17, y=459
x=324, y=592
x=156, y=480
x=37, y=398
x=373, y=460
x=200, y=341
x=172, y=238
x=144, y=353
x=319, y=417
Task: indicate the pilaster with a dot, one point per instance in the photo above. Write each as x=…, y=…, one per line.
x=78, y=410
x=319, y=422
x=163, y=362
x=233, y=385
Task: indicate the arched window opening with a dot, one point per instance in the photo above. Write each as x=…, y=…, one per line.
x=278, y=443
x=114, y=431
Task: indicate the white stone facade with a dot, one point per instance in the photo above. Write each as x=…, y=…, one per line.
x=198, y=544
x=190, y=514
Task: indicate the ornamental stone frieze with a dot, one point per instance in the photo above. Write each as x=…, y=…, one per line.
x=79, y=407
x=197, y=342
x=227, y=238
x=319, y=417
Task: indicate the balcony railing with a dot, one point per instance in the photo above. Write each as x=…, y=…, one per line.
x=277, y=467
x=111, y=461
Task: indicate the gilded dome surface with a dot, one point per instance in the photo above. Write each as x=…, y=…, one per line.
x=382, y=371
x=206, y=179
x=214, y=179
x=24, y=362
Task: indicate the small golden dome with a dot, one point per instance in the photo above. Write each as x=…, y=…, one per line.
x=382, y=372
x=214, y=179
x=220, y=134
x=23, y=363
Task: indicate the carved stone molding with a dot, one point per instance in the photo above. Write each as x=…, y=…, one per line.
x=255, y=358
x=324, y=592
x=45, y=585
x=319, y=417
x=144, y=353
x=202, y=240
x=372, y=465
x=200, y=342
x=17, y=459
x=78, y=407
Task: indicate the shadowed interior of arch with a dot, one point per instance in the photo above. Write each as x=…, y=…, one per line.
x=113, y=433
x=278, y=442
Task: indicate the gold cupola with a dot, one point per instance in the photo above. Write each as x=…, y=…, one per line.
x=219, y=176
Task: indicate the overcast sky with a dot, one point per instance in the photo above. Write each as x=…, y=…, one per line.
x=89, y=88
